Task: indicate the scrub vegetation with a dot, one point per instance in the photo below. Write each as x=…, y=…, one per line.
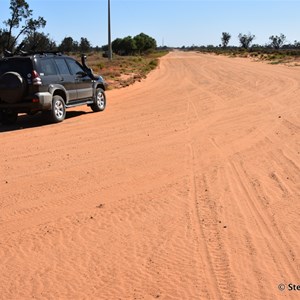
x=122, y=71
x=276, y=51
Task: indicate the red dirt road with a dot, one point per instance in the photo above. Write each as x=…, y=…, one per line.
x=186, y=187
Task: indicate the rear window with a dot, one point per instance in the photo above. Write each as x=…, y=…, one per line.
x=21, y=65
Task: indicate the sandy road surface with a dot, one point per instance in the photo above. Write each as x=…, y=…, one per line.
x=186, y=187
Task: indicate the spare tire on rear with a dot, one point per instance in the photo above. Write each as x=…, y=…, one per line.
x=12, y=87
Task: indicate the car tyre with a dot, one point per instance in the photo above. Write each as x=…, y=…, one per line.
x=100, y=101
x=58, y=111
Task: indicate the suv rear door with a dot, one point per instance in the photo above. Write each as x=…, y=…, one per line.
x=66, y=78
x=47, y=71
x=22, y=66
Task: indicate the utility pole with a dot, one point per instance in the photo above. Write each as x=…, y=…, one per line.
x=109, y=34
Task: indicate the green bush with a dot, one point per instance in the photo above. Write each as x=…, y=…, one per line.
x=153, y=63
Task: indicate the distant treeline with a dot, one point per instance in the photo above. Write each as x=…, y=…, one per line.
x=276, y=43
x=262, y=52
x=37, y=41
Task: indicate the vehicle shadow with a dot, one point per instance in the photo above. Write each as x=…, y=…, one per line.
x=37, y=120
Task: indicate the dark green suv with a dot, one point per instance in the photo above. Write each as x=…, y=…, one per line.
x=47, y=82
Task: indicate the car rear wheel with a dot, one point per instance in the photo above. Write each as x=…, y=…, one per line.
x=58, y=111
x=100, y=101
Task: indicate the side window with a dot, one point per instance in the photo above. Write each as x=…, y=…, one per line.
x=47, y=67
x=74, y=66
x=62, y=66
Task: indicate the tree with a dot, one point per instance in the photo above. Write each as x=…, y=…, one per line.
x=19, y=10
x=277, y=41
x=225, y=39
x=20, y=13
x=127, y=45
x=68, y=45
x=116, y=45
x=3, y=39
x=85, y=45
x=38, y=42
x=144, y=42
x=246, y=40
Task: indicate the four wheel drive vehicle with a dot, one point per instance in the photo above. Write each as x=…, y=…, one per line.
x=47, y=82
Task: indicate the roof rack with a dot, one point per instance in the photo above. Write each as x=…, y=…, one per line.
x=44, y=52
x=25, y=53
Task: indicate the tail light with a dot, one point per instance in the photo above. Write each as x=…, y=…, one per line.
x=35, y=100
x=36, y=79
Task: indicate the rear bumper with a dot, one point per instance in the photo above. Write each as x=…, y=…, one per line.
x=39, y=101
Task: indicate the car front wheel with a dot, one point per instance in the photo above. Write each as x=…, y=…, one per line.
x=100, y=101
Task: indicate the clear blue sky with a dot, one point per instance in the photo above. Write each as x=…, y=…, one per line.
x=172, y=22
